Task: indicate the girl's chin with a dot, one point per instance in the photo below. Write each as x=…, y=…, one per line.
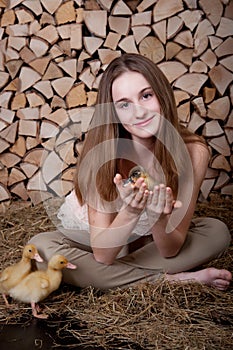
x=143, y=135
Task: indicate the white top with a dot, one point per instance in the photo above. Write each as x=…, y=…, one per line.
x=75, y=216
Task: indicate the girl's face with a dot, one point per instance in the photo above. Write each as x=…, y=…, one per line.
x=136, y=105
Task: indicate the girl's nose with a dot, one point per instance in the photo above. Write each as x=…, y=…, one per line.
x=139, y=111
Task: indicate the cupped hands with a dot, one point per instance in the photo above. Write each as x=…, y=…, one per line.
x=137, y=197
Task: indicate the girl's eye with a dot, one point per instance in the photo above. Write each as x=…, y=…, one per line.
x=146, y=95
x=124, y=105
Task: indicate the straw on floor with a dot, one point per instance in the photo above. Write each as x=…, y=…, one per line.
x=162, y=316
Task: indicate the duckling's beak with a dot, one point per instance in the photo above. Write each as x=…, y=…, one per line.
x=134, y=174
x=38, y=258
x=71, y=266
x=127, y=181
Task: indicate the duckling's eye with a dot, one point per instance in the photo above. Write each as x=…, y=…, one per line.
x=136, y=173
x=61, y=262
x=30, y=250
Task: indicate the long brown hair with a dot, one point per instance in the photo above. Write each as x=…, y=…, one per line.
x=97, y=166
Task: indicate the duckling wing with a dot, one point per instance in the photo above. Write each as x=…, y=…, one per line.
x=4, y=275
x=3, y=280
x=37, y=279
x=150, y=182
x=12, y=275
x=34, y=287
x=44, y=282
x=8, y=279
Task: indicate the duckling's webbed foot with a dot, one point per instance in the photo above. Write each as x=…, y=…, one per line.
x=6, y=301
x=8, y=305
x=41, y=316
x=36, y=309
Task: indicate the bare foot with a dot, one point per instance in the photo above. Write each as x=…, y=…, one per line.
x=210, y=276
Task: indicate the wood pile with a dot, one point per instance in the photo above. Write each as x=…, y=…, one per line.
x=52, y=55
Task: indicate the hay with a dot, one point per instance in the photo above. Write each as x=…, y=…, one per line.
x=146, y=316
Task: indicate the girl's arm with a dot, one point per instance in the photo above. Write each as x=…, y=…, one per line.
x=109, y=232
x=163, y=210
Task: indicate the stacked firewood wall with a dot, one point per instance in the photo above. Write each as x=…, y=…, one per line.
x=52, y=56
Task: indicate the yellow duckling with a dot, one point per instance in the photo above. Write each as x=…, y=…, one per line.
x=39, y=284
x=13, y=274
x=137, y=172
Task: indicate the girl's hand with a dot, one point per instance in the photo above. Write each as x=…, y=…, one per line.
x=161, y=202
x=135, y=196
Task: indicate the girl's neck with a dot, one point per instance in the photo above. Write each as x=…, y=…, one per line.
x=144, y=150
x=136, y=155
x=146, y=142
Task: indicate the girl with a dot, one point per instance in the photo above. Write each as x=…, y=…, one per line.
x=119, y=231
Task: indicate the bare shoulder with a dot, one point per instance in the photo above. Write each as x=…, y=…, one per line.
x=200, y=157
x=199, y=152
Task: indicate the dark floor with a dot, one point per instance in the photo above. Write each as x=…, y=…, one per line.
x=34, y=336
x=41, y=334
x=38, y=334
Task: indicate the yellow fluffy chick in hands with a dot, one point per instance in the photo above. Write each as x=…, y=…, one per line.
x=39, y=284
x=13, y=274
x=137, y=172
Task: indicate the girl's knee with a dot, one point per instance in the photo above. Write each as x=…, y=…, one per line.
x=219, y=233
x=212, y=225
x=38, y=241
x=222, y=230
x=46, y=243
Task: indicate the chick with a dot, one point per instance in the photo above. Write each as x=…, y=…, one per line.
x=13, y=274
x=137, y=172
x=39, y=284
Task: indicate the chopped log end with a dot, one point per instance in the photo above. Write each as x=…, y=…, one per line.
x=4, y=193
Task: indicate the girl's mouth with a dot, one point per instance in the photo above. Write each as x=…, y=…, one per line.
x=144, y=122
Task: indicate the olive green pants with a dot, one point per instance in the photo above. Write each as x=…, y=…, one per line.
x=207, y=239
